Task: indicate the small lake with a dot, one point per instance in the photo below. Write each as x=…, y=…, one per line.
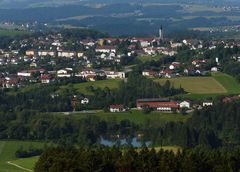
x=134, y=142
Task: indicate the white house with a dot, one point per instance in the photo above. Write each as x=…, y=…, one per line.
x=117, y=108
x=85, y=101
x=67, y=54
x=24, y=73
x=209, y=103
x=106, y=49
x=214, y=69
x=185, y=104
x=114, y=75
x=46, y=53
x=67, y=72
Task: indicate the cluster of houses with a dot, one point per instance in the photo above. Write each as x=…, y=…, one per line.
x=32, y=51
x=160, y=104
x=176, y=69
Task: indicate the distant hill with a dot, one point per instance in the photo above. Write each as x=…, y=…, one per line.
x=122, y=18
x=47, y=3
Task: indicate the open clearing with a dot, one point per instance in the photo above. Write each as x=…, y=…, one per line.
x=7, y=153
x=27, y=163
x=12, y=32
x=229, y=82
x=82, y=87
x=197, y=85
x=136, y=116
x=149, y=58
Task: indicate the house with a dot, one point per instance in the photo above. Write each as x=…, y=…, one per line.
x=87, y=72
x=230, y=99
x=197, y=63
x=214, y=69
x=174, y=65
x=10, y=82
x=150, y=50
x=150, y=73
x=33, y=64
x=117, y=108
x=67, y=54
x=30, y=53
x=29, y=73
x=185, y=104
x=85, y=101
x=176, y=45
x=46, y=79
x=80, y=54
x=159, y=104
x=145, y=42
x=47, y=53
x=91, y=78
x=106, y=49
x=115, y=75
x=167, y=73
x=208, y=103
x=67, y=72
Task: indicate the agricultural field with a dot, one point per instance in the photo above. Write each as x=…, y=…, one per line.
x=196, y=85
x=7, y=154
x=82, y=87
x=229, y=82
x=136, y=116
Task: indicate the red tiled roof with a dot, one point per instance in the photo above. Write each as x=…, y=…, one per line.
x=106, y=47
x=45, y=77
x=116, y=106
x=159, y=104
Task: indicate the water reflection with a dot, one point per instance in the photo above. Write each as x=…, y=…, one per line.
x=134, y=142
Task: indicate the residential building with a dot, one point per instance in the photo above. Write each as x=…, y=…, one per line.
x=117, y=108
x=185, y=104
x=115, y=75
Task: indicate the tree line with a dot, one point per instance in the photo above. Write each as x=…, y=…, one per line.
x=118, y=160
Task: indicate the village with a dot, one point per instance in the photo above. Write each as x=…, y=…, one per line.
x=52, y=58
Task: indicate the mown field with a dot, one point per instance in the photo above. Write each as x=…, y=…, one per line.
x=136, y=116
x=229, y=82
x=82, y=87
x=196, y=85
x=201, y=88
x=7, y=153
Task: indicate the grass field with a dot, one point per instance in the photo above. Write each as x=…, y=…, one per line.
x=12, y=32
x=28, y=163
x=149, y=58
x=196, y=85
x=229, y=82
x=136, y=116
x=81, y=88
x=7, y=153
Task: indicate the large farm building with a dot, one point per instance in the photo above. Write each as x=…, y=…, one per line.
x=158, y=104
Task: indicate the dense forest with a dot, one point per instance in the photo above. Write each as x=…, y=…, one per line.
x=115, y=159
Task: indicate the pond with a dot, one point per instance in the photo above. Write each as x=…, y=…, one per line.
x=134, y=142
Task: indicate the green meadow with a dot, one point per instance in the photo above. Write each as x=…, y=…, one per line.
x=83, y=87
x=136, y=116
x=7, y=154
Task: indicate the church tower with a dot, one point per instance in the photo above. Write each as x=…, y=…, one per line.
x=161, y=33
